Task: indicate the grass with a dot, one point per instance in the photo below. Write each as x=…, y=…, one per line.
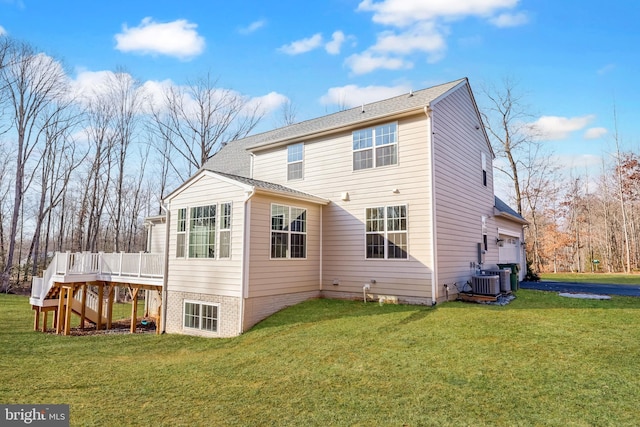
x=607, y=278
x=542, y=360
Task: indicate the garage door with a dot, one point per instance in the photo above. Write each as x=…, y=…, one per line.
x=508, y=251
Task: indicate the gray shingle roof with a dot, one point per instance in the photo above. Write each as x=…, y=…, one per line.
x=502, y=207
x=235, y=159
x=269, y=186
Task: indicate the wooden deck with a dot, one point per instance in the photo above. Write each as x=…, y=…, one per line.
x=84, y=284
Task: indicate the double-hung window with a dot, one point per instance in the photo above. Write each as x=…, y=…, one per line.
x=198, y=233
x=288, y=232
x=181, y=233
x=375, y=147
x=202, y=232
x=483, y=160
x=295, y=161
x=200, y=315
x=224, y=250
x=386, y=232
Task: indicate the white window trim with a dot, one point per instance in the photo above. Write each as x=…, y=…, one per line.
x=185, y=244
x=374, y=146
x=302, y=144
x=219, y=229
x=186, y=233
x=306, y=247
x=386, y=231
x=199, y=329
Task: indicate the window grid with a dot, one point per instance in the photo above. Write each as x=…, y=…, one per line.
x=225, y=231
x=181, y=232
x=202, y=316
x=202, y=232
x=295, y=161
x=386, y=232
x=288, y=232
x=385, y=152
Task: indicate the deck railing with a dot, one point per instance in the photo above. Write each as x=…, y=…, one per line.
x=104, y=266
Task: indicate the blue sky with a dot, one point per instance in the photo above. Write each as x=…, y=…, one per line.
x=572, y=59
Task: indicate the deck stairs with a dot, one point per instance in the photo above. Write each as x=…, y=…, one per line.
x=68, y=269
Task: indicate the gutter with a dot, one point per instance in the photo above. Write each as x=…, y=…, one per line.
x=244, y=262
x=434, y=235
x=165, y=276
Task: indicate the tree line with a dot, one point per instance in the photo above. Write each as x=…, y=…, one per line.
x=81, y=169
x=579, y=221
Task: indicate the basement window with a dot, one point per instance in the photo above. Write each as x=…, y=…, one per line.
x=200, y=315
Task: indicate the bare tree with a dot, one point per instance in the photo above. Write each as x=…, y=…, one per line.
x=288, y=113
x=126, y=97
x=200, y=118
x=505, y=119
x=31, y=82
x=58, y=160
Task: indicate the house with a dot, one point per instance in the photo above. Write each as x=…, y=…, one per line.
x=390, y=200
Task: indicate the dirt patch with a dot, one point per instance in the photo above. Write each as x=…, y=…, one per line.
x=117, y=327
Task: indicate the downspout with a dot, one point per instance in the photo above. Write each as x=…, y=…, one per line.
x=165, y=276
x=321, y=250
x=434, y=237
x=246, y=256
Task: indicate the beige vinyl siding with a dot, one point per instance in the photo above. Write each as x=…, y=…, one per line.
x=204, y=275
x=461, y=197
x=328, y=173
x=282, y=276
x=157, y=238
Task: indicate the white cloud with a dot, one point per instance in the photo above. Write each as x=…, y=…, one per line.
x=423, y=37
x=2, y=31
x=402, y=13
x=422, y=27
x=303, y=45
x=366, y=62
x=267, y=103
x=254, y=26
x=177, y=38
x=333, y=47
x=352, y=95
x=555, y=127
x=595, y=133
x=505, y=20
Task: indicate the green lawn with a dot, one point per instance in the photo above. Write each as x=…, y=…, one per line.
x=616, y=278
x=542, y=360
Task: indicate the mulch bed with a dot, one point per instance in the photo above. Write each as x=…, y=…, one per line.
x=122, y=326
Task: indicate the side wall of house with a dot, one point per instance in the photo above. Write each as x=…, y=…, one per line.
x=156, y=237
x=210, y=280
x=462, y=199
x=328, y=173
x=277, y=283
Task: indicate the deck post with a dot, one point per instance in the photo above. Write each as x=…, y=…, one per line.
x=83, y=310
x=134, y=309
x=100, y=299
x=44, y=320
x=36, y=320
x=60, y=311
x=110, y=306
x=67, y=317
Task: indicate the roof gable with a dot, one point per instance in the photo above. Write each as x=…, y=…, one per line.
x=235, y=157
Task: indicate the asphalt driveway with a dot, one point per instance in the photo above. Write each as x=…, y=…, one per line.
x=583, y=288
